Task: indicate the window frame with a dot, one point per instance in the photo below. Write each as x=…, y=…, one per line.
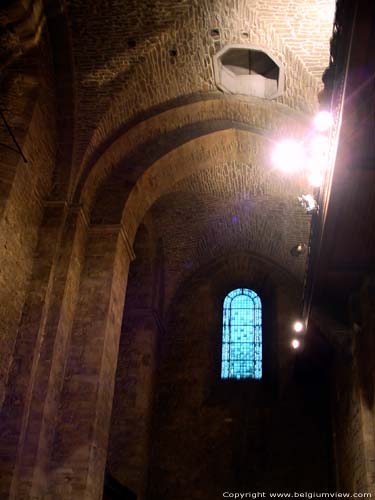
x=220, y=390
x=254, y=303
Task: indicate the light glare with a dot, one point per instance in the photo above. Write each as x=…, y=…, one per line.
x=298, y=326
x=295, y=343
x=289, y=156
x=319, y=146
x=323, y=121
x=315, y=179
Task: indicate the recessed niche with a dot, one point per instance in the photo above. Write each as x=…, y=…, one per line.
x=247, y=70
x=132, y=43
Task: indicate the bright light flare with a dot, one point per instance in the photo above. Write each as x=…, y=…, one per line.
x=315, y=179
x=298, y=326
x=295, y=343
x=289, y=156
x=319, y=146
x=323, y=121
x=318, y=160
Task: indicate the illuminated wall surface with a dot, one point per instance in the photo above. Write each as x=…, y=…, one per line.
x=242, y=335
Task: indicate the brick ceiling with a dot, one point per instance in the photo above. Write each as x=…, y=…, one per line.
x=140, y=83
x=130, y=56
x=217, y=212
x=116, y=59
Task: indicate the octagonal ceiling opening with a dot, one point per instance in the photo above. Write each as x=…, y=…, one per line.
x=249, y=71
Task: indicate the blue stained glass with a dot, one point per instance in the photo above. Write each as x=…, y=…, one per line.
x=242, y=335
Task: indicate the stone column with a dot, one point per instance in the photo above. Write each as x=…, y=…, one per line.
x=27, y=401
x=47, y=372
x=129, y=449
x=81, y=439
x=23, y=189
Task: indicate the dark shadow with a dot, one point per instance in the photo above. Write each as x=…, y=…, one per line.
x=114, y=490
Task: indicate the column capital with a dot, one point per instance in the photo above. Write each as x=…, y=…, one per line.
x=115, y=229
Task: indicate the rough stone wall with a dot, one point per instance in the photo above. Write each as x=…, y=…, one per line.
x=208, y=432
x=67, y=352
x=135, y=376
x=229, y=208
x=129, y=445
x=179, y=163
x=26, y=347
x=210, y=437
x=22, y=29
x=305, y=28
x=26, y=187
x=156, y=134
x=144, y=62
x=46, y=325
x=218, y=211
x=77, y=462
x=353, y=402
x=351, y=466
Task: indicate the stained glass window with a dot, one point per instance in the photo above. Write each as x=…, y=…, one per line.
x=242, y=335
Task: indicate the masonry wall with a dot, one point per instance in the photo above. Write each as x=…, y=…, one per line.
x=28, y=98
x=211, y=436
x=177, y=430
x=353, y=401
x=129, y=443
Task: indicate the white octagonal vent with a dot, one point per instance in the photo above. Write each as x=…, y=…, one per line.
x=248, y=70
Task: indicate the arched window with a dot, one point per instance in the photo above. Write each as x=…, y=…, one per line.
x=242, y=335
